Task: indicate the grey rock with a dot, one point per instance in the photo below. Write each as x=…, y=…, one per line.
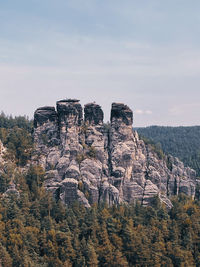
x=68, y=190
x=2, y=152
x=91, y=163
x=122, y=112
x=53, y=158
x=62, y=166
x=69, y=112
x=109, y=194
x=92, y=170
x=93, y=114
x=73, y=172
x=82, y=199
x=166, y=201
x=43, y=115
x=69, y=122
x=150, y=191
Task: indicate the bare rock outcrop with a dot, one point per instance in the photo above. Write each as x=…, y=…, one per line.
x=91, y=162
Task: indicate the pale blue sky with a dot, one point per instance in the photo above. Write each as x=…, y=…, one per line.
x=143, y=53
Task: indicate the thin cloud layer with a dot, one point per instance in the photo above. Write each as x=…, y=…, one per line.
x=142, y=54
x=143, y=112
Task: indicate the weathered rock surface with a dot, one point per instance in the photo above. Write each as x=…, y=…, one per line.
x=2, y=151
x=91, y=162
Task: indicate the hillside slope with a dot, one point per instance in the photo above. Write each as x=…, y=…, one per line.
x=39, y=230
x=181, y=142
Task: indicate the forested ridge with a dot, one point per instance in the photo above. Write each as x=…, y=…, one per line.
x=35, y=230
x=181, y=142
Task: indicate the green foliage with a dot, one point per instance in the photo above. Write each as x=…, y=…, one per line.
x=8, y=122
x=35, y=177
x=107, y=127
x=80, y=186
x=83, y=189
x=88, y=152
x=155, y=147
x=84, y=128
x=181, y=142
x=35, y=230
x=91, y=153
x=19, y=144
x=6, y=175
x=38, y=231
x=80, y=157
x=15, y=133
x=5, y=259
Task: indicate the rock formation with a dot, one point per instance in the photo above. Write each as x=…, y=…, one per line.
x=89, y=161
x=2, y=151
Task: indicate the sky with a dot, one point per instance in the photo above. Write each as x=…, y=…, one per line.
x=144, y=53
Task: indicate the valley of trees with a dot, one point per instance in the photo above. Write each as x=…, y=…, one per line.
x=35, y=230
x=181, y=142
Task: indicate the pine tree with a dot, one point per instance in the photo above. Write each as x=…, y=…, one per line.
x=91, y=256
x=105, y=247
x=5, y=259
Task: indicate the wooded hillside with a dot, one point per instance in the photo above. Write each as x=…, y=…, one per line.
x=181, y=142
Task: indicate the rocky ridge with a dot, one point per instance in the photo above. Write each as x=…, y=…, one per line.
x=91, y=162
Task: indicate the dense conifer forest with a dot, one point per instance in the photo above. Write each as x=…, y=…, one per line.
x=181, y=142
x=35, y=230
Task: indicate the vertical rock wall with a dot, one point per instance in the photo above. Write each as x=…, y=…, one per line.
x=89, y=161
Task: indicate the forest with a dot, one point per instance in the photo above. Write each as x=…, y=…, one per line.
x=36, y=230
x=181, y=142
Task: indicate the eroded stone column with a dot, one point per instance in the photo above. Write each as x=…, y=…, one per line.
x=94, y=166
x=69, y=121
x=46, y=138
x=122, y=143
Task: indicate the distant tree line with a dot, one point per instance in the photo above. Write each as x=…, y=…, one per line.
x=9, y=122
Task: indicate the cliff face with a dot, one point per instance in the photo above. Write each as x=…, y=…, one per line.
x=91, y=162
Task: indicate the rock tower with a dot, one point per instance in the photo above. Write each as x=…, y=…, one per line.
x=92, y=162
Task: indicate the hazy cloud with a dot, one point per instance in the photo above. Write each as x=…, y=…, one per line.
x=142, y=54
x=143, y=112
x=181, y=109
